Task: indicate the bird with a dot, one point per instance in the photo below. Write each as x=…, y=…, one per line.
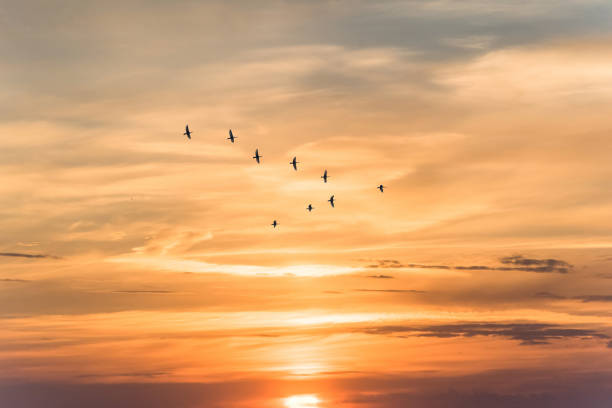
x=331, y=201
x=310, y=207
x=381, y=188
x=294, y=162
x=187, y=132
x=324, y=176
x=274, y=223
x=231, y=136
x=257, y=156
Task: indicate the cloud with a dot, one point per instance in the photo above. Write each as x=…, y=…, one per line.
x=380, y=276
x=189, y=265
x=30, y=256
x=13, y=280
x=548, y=295
x=144, y=291
x=393, y=263
x=526, y=333
x=140, y=374
x=594, y=298
x=544, y=265
x=518, y=262
x=583, y=298
x=390, y=290
x=29, y=244
x=536, y=388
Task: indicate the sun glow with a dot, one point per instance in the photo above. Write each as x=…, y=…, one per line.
x=302, y=401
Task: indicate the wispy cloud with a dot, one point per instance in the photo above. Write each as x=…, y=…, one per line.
x=537, y=265
x=594, y=298
x=144, y=291
x=518, y=262
x=393, y=263
x=187, y=265
x=23, y=255
x=583, y=298
x=526, y=333
x=390, y=290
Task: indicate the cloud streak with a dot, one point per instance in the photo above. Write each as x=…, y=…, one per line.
x=518, y=262
x=29, y=256
x=525, y=333
x=390, y=290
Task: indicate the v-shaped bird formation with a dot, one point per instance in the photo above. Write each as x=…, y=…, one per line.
x=293, y=163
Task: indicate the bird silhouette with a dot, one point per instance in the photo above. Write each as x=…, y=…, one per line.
x=381, y=188
x=310, y=207
x=231, y=136
x=294, y=163
x=257, y=156
x=274, y=223
x=187, y=132
x=325, y=176
x=331, y=201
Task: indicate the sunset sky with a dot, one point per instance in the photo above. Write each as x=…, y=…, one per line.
x=139, y=268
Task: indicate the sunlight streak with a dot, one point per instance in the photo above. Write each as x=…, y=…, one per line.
x=302, y=401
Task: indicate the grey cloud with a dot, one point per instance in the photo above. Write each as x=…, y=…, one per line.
x=393, y=263
x=75, y=52
x=390, y=290
x=30, y=256
x=518, y=262
x=144, y=291
x=380, y=276
x=526, y=333
x=594, y=298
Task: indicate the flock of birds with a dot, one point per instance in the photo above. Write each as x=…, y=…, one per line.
x=293, y=162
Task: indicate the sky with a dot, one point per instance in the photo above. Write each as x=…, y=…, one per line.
x=139, y=268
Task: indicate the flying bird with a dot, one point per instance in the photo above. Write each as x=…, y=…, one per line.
x=231, y=136
x=310, y=207
x=187, y=132
x=274, y=224
x=324, y=176
x=294, y=162
x=381, y=188
x=257, y=156
x=331, y=201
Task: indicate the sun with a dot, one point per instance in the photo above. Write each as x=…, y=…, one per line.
x=302, y=401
